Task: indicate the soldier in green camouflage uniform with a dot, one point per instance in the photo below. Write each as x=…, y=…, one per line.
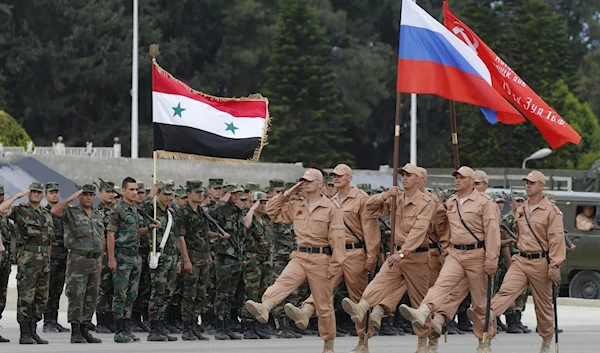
x=228, y=260
x=5, y=234
x=58, y=265
x=125, y=228
x=162, y=277
x=140, y=307
x=104, y=316
x=84, y=237
x=35, y=232
x=174, y=321
x=257, y=263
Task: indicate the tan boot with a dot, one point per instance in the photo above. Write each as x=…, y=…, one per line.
x=300, y=316
x=362, y=346
x=546, y=343
x=470, y=314
x=376, y=315
x=416, y=316
x=260, y=310
x=356, y=311
x=436, y=325
x=422, y=345
x=328, y=347
x=433, y=345
x=484, y=347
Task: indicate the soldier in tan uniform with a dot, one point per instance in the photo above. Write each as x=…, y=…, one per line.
x=409, y=264
x=319, y=228
x=542, y=251
x=475, y=237
x=362, y=246
x=585, y=220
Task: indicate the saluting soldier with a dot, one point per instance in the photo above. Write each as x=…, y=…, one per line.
x=58, y=264
x=35, y=230
x=5, y=256
x=84, y=239
x=319, y=228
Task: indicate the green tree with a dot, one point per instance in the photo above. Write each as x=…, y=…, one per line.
x=588, y=75
x=308, y=120
x=11, y=133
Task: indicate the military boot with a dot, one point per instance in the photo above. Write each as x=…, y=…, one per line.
x=376, y=315
x=261, y=331
x=249, y=333
x=523, y=328
x=208, y=323
x=452, y=329
x=102, y=324
x=300, y=316
x=165, y=332
x=120, y=335
x=433, y=345
x=328, y=346
x=76, y=336
x=269, y=328
x=229, y=332
x=49, y=326
x=464, y=321
x=484, y=347
x=356, y=311
x=416, y=316
x=284, y=328
x=34, y=335
x=135, y=323
x=110, y=321
x=197, y=331
x=85, y=332
x=127, y=330
x=260, y=310
x=437, y=324
x=546, y=343
x=387, y=329
x=58, y=326
x=220, y=327
x=511, y=322
x=25, y=337
x=155, y=335
x=500, y=325
x=188, y=334
x=4, y=340
x=363, y=345
x=422, y=345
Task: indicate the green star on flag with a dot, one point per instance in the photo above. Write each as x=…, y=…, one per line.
x=178, y=110
x=231, y=127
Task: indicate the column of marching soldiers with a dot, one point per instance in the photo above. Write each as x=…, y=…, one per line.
x=314, y=242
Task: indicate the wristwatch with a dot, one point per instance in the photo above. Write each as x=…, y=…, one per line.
x=401, y=255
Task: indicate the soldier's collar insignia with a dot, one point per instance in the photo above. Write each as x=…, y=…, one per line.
x=299, y=213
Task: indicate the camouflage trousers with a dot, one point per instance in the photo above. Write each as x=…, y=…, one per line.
x=33, y=273
x=211, y=289
x=105, y=298
x=229, y=273
x=163, y=285
x=126, y=282
x=258, y=273
x=174, y=307
x=194, y=289
x=140, y=306
x=4, y=275
x=499, y=276
x=58, y=269
x=83, y=285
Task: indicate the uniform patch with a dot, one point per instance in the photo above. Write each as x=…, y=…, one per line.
x=450, y=207
x=299, y=212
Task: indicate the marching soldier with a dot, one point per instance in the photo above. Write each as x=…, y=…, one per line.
x=319, y=228
x=123, y=242
x=257, y=262
x=104, y=316
x=362, y=240
x=36, y=232
x=228, y=260
x=542, y=251
x=58, y=265
x=5, y=256
x=84, y=238
x=409, y=264
x=474, y=255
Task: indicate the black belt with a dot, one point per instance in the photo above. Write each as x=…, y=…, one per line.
x=421, y=249
x=59, y=249
x=355, y=246
x=530, y=256
x=194, y=253
x=36, y=248
x=434, y=246
x=316, y=250
x=465, y=247
x=125, y=251
x=85, y=253
x=169, y=252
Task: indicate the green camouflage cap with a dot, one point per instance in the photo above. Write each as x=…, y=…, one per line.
x=52, y=186
x=180, y=192
x=497, y=196
x=517, y=196
x=276, y=184
x=330, y=180
x=365, y=187
x=289, y=185
x=1, y=189
x=140, y=187
x=215, y=183
x=89, y=188
x=259, y=196
x=243, y=196
x=193, y=185
x=165, y=188
x=232, y=188
x=251, y=187
x=35, y=186
x=107, y=185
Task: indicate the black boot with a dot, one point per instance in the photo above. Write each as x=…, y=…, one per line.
x=523, y=328
x=208, y=323
x=25, y=337
x=234, y=325
x=120, y=335
x=269, y=328
x=452, y=329
x=49, y=326
x=284, y=328
x=386, y=327
x=85, y=332
x=102, y=324
x=197, y=331
x=110, y=322
x=500, y=325
x=163, y=331
x=76, y=336
x=58, y=326
x=155, y=335
x=127, y=330
x=187, y=334
x=511, y=322
x=34, y=335
x=464, y=324
x=249, y=333
x=261, y=331
x=220, y=327
x=229, y=332
x=135, y=323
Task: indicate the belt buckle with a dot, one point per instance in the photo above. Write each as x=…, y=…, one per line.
x=463, y=247
x=309, y=249
x=39, y=248
x=529, y=256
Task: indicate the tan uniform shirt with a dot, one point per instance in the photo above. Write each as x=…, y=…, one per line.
x=356, y=217
x=547, y=224
x=480, y=215
x=439, y=230
x=413, y=218
x=323, y=227
x=585, y=223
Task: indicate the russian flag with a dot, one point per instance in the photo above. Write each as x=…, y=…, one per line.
x=432, y=60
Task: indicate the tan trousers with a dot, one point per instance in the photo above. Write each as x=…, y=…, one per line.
x=455, y=298
x=534, y=272
x=412, y=273
x=311, y=267
x=457, y=266
x=356, y=277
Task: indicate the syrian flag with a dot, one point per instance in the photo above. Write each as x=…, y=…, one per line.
x=193, y=125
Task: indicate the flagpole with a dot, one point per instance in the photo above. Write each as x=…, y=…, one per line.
x=454, y=134
x=154, y=202
x=413, y=125
x=134, y=85
x=395, y=170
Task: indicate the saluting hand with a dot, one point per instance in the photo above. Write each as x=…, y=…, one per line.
x=293, y=190
x=23, y=193
x=255, y=205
